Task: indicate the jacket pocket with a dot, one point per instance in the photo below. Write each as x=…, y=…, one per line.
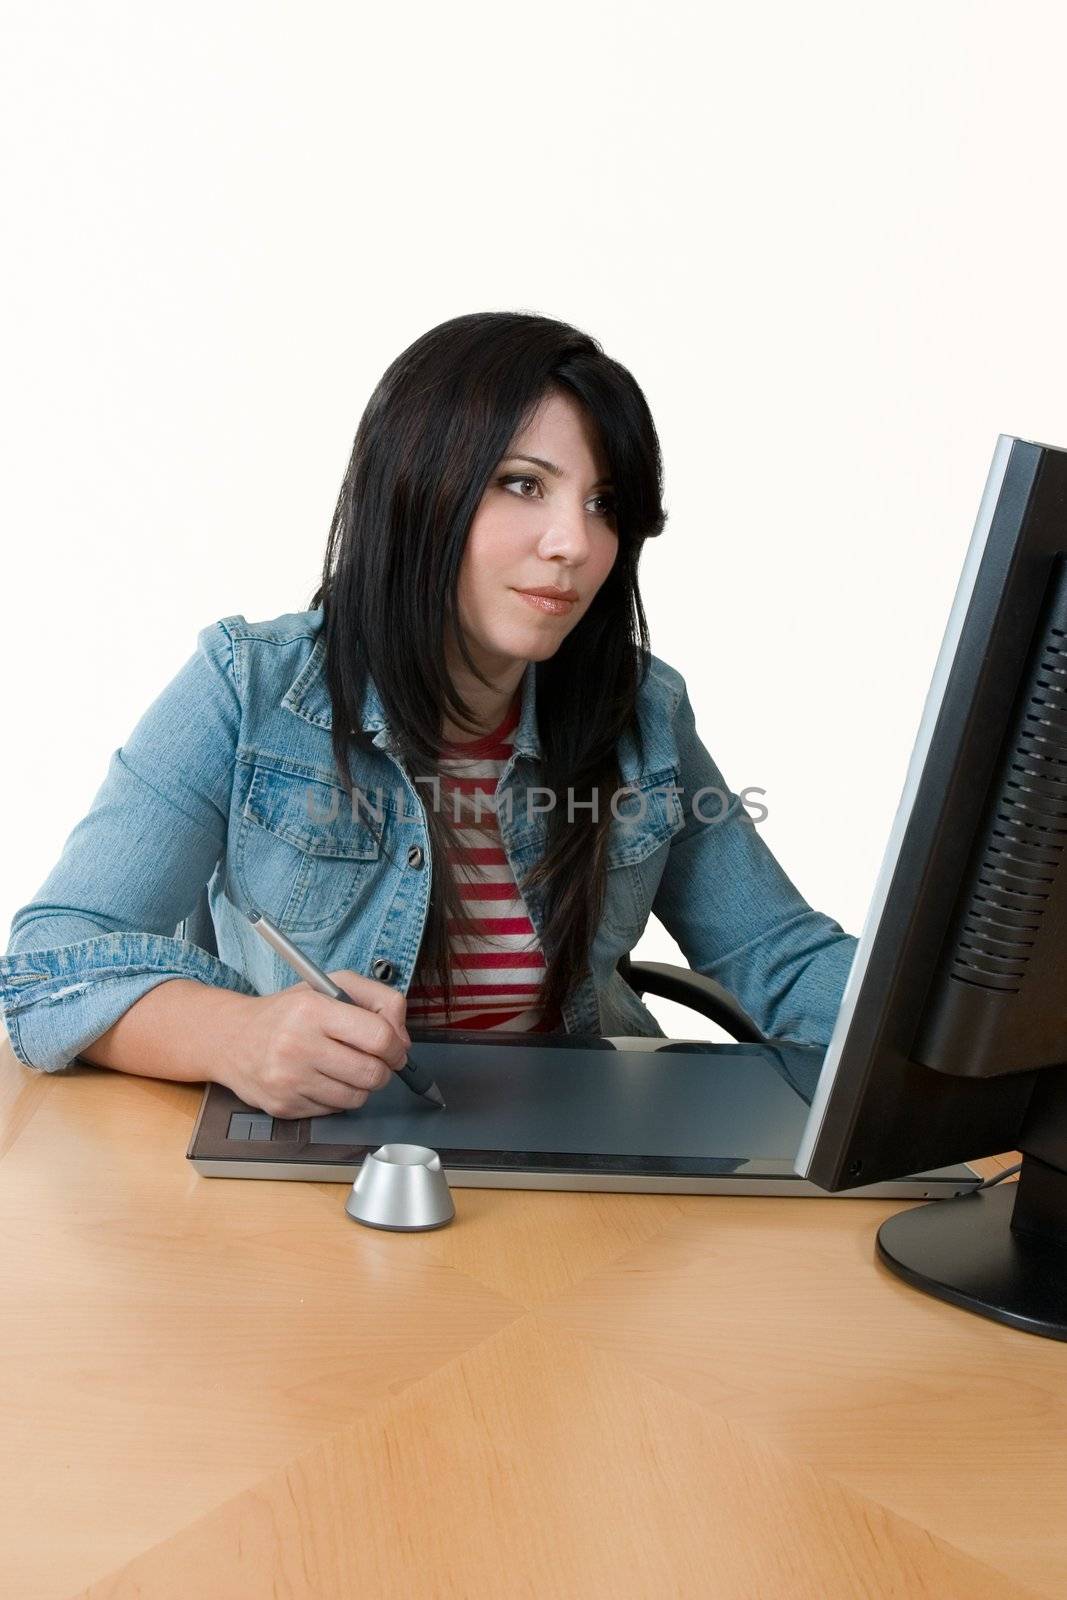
x=646, y=815
x=302, y=855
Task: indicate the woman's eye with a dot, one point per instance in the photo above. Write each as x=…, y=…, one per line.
x=517, y=479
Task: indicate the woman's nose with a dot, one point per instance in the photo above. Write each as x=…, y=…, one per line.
x=566, y=533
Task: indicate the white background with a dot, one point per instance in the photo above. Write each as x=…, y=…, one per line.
x=827, y=240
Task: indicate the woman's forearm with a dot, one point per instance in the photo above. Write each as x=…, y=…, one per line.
x=180, y=1029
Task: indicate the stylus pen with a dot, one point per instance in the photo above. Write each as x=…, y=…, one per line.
x=417, y=1079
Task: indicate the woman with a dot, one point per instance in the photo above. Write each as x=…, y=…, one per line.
x=460, y=796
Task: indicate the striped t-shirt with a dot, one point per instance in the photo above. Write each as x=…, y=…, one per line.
x=498, y=970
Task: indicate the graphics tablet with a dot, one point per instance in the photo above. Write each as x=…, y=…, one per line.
x=564, y=1111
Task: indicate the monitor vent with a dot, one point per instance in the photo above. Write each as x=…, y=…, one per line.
x=1025, y=840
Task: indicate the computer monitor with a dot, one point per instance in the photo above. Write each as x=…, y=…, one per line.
x=951, y=1039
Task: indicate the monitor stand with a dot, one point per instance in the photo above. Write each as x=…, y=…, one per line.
x=1002, y=1251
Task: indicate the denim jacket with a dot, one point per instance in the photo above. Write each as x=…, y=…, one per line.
x=225, y=799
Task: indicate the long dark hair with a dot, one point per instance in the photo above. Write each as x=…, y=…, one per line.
x=436, y=427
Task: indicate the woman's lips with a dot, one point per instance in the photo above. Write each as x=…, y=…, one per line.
x=554, y=608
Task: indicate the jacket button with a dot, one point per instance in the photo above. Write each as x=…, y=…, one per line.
x=382, y=970
x=415, y=856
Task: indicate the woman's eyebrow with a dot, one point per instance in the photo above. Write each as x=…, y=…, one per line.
x=550, y=466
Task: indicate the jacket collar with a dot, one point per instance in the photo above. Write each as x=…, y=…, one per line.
x=308, y=696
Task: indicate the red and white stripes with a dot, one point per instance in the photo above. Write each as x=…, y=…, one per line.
x=497, y=971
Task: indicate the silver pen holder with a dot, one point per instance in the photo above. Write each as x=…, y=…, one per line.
x=401, y=1187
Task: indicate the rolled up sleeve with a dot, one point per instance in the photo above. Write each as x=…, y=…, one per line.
x=100, y=931
x=737, y=916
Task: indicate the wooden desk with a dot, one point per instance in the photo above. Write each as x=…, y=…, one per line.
x=229, y=1389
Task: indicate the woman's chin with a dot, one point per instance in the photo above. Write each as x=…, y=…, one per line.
x=537, y=646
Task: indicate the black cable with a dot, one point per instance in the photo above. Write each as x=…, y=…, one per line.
x=1007, y=1173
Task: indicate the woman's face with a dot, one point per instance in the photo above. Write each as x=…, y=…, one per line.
x=542, y=523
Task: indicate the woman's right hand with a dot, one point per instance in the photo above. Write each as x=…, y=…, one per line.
x=298, y=1053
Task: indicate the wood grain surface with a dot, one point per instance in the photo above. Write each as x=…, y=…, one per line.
x=230, y=1389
